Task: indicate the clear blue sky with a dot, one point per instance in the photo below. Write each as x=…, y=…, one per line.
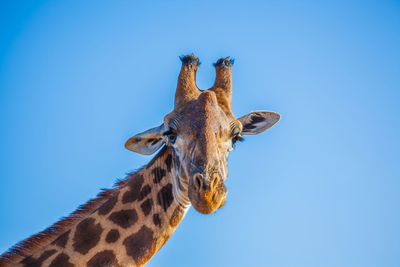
x=321, y=188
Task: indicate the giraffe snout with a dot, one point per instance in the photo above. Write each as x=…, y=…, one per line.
x=207, y=192
x=205, y=184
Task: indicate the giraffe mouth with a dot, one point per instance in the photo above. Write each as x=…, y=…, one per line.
x=208, y=199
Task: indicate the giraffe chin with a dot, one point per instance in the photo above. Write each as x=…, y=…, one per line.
x=208, y=201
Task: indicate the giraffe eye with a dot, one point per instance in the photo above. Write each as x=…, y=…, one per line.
x=171, y=136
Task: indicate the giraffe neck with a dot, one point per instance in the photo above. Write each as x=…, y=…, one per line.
x=126, y=229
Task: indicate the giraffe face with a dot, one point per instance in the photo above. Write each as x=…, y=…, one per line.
x=201, y=131
x=201, y=136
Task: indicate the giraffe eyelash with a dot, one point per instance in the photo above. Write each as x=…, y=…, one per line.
x=170, y=131
x=236, y=139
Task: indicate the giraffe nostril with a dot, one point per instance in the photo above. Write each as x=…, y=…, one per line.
x=197, y=181
x=214, y=180
x=213, y=197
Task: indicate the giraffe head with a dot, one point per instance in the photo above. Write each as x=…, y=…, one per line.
x=201, y=131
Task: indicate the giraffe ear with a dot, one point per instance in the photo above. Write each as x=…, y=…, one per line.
x=148, y=142
x=258, y=121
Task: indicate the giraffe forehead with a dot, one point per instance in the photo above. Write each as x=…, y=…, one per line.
x=202, y=114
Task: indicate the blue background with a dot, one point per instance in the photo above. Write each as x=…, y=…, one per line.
x=321, y=188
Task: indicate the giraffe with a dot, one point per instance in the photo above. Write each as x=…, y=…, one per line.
x=126, y=225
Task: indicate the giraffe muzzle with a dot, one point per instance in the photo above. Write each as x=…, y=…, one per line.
x=207, y=193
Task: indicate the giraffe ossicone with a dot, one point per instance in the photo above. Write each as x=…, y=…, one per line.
x=127, y=225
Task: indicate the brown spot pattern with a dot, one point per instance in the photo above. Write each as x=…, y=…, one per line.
x=106, y=258
x=62, y=240
x=135, y=186
x=87, y=235
x=140, y=245
x=176, y=216
x=144, y=192
x=158, y=173
x=124, y=218
x=165, y=197
x=168, y=162
x=62, y=260
x=108, y=205
x=157, y=220
x=112, y=236
x=146, y=206
x=32, y=262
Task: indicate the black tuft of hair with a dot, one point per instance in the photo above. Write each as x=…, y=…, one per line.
x=224, y=62
x=190, y=59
